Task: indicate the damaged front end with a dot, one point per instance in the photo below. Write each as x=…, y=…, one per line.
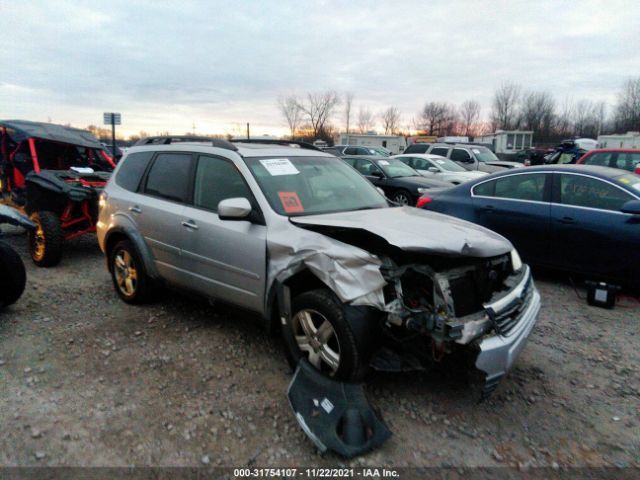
x=448, y=304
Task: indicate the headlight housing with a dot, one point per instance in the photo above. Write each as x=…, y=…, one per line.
x=516, y=262
x=422, y=190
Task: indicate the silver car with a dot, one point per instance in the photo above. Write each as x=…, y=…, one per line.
x=440, y=168
x=302, y=239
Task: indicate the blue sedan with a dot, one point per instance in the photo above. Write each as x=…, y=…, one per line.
x=582, y=219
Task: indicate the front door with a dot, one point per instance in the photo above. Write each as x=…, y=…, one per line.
x=226, y=259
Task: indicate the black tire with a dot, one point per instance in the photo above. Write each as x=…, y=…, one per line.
x=13, y=277
x=354, y=330
x=46, y=241
x=404, y=194
x=142, y=286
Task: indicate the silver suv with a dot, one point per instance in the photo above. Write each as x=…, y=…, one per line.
x=302, y=239
x=472, y=157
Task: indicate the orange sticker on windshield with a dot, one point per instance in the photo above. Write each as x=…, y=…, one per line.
x=290, y=202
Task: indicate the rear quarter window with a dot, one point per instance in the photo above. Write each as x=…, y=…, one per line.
x=486, y=189
x=132, y=169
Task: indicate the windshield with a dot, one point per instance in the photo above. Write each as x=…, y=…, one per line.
x=392, y=167
x=382, y=152
x=484, y=154
x=310, y=185
x=630, y=180
x=448, y=165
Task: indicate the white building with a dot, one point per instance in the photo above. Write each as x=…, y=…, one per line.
x=626, y=140
x=507, y=141
x=394, y=143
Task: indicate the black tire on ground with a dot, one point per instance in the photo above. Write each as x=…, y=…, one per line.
x=12, y=275
x=46, y=241
x=398, y=194
x=129, y=276
x=354, y=328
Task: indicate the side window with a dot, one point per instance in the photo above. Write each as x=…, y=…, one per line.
x=529, y=186
x=601, y=159
x=365, y=151
x=217, y=179
x=460, y=155
x=486, y=189
x=627, y=161
x=421, y=164
x=351, y=151
x=590, y=192
x=442, y=151
x=350, y=161
x=132, y=169
x=365, y=167
x=169, y=176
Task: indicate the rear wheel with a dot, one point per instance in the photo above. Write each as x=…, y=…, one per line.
x=403, y=197
x=320, y=332
x=128, y=274
x=46, y=241
x=12, y=275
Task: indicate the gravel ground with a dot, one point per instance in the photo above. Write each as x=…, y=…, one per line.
x=87, y=380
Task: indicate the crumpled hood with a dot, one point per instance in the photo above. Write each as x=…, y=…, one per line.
x=505, y=163
x=413, y=229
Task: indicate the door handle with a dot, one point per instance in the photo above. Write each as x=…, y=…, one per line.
x=489, y=208
x=135, y=209
x=190, y=224
x=567, y=220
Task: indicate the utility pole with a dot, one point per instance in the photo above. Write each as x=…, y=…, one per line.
x=248, y=137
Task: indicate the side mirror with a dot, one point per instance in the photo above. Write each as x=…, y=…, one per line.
x=375, y=173
x=434, y=170
x=234, y=209
x=632, y=207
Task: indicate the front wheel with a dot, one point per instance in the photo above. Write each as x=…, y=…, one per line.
x=46, y=241
x=128, y=274
x=12, y=275
x=403, y=198
x=320, y=332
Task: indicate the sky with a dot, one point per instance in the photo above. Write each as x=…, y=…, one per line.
x=170, y=65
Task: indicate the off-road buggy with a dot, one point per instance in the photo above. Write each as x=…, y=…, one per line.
x=12, y=274
x=54, y=175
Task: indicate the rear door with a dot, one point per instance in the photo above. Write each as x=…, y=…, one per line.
x=158, y=210
x=518, y=207
x=225, y=259
x=589, y=231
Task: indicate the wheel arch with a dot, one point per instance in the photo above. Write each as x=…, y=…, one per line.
x=119, y=233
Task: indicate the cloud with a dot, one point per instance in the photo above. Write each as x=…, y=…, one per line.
x=165, y=65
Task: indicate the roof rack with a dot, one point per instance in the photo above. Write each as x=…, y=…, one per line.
x=170, y=139
x=304, y=145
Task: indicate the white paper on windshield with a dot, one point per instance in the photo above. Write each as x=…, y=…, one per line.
x=82, y=169
x=475, y=150
x=279, y=166
x=383, y=162
x=441, y=162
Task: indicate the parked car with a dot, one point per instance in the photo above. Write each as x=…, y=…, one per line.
x=13, y=276
x=342, y=150
x=441, y=168
x=472, y=157
x=623, y=158
x=53, y=174
x=400, y=183
x=303, y=240
x=417, y=148
x=581, y=219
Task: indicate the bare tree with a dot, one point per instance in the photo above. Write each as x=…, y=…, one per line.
x=469, y=116
x=390, y=120
x=348, y=100
x=365, y=120
x=290, y=108
x=627, y=112
x=504, y=107
x=438, y=118
x=537, y=112
x=318, y=108
x=564, y=119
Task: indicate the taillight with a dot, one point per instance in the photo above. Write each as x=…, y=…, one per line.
x=638, y=170
x=423, y=200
